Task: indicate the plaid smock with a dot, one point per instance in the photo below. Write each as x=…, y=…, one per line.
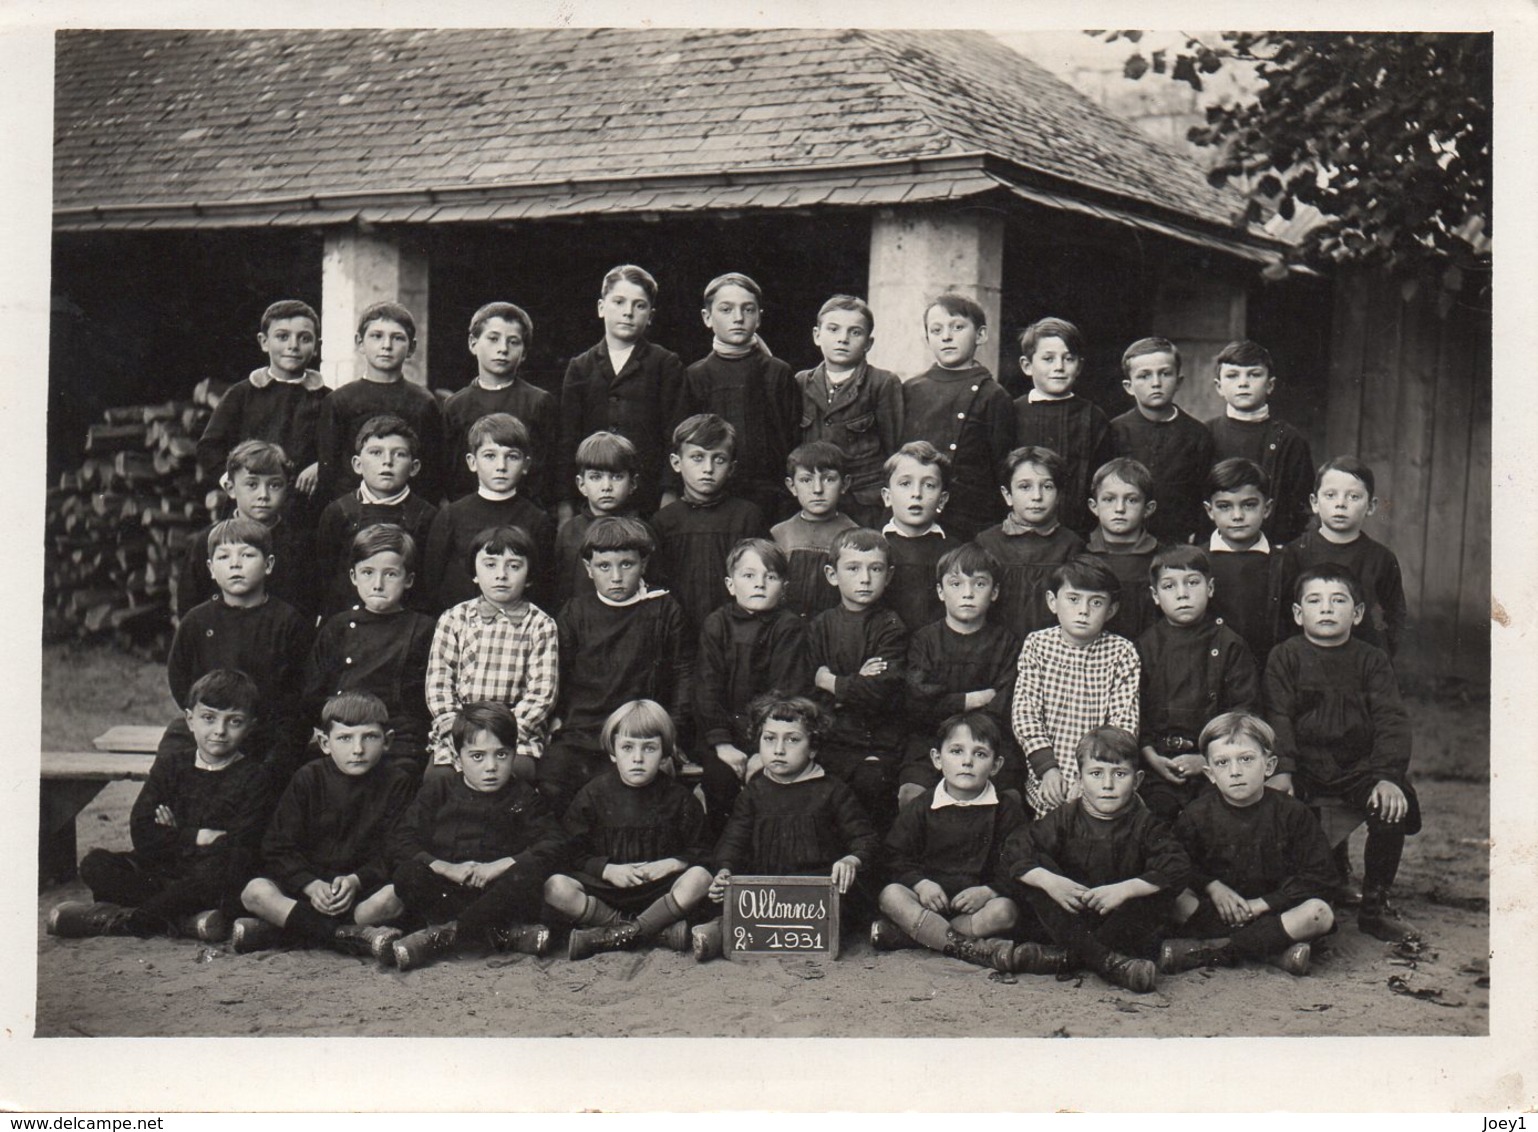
x=482, y=653
x=1062, y=693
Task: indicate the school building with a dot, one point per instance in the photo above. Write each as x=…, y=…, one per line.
x=200, y=175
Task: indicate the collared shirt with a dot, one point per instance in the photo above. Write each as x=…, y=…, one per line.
x=1036, y=396
x=642, y=594
x=1014, y=528
x=808, y=773
x=495, y=496
x=366, y=496
x=1218, y=545
x=892, y=528
x=1261, y=414
x=944, y=798
x=618, y=358
x=310, y=380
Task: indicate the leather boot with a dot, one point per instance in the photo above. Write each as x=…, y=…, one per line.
x=1177, y=955
x=995, y=953
x=424, y=946
x=610, y=937
x=705, y=940
x=252, y=934
x=75, y=919
x=1295, y=960
x=212, y=926
x=1381, y=920
x=1136, y=975
x=525, y=939
x=373, y=941
x=887, y=936
x=1038, y=959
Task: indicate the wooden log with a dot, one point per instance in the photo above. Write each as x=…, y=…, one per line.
x=210, y=391
x=170, y=411
x=114, y=438
x=136, y=467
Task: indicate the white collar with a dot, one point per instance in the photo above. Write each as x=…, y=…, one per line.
x=943, y=798
x=1251, y=415
x=367, y=496
x=642, y=594
x=892, y=528
x=1216, y=545
x=1036, y=396
x=495, y=496
x=808, y=773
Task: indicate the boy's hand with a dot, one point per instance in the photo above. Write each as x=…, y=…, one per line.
x=1257, y=907
x=976, y=701
x=1189, y=766
x=1163, y=767
x=1233, y=908
x=825, y=680
x=931, y=896
x=307, y=480
x=1282, y=782
x=209, y=836
x=656, y=870
x=483, y=873
x=970, y=900
x=875, y=666
x=624, y=876
x=1066, y=894
x=344, y=891
x=735, y=759
x=843, y=872
x=164, y=816
x=717, y=889
x=1054, y=791
x=1107, y=897
x=1389, y=801
x=456, y=871
x=318, y=893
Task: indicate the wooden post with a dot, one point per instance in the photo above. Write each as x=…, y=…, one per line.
x=361, y=268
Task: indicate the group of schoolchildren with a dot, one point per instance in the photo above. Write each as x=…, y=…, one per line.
x=803, y=588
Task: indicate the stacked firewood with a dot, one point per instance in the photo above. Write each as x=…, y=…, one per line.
x=118, y=525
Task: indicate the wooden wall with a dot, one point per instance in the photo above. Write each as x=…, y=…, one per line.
x=1409, y=392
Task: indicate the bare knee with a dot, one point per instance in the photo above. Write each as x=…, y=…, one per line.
x=894, y=896
x=563, y=892
x=689, y=888
x=1321, y=917
x=257, y=893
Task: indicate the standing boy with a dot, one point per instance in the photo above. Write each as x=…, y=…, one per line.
x=1121, y=499
x=815, y=476
x=1030, y=543
x=915, y=493
x=1246, y=567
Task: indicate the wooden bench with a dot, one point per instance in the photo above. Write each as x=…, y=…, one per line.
x=70, y=782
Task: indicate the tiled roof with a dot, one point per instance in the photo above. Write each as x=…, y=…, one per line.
x=297, y=126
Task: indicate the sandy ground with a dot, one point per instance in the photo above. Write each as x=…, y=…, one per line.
x=1359, y=986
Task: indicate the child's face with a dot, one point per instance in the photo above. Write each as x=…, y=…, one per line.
x=1182, y=595
x=817, y=490
x=381, y=581
x=1246, y=388
x=289, y=344
x=486, y=762
x=606, y=492
x=218, y=732
x=257, y=496
x=498, y=348
x=1239, y=514
x=355, y=748
x=843, y=337
x=965, y=763
x=1342, y=502
x=240, y=570
x=754, y=585
x=386, y=464
x=1239, y=769
x=1108, y=788
x=914, y=493
x=498, y=468
x=385, y=345
x=1121, y=507
x=626, y=311
x=1327, y=612
x=616, y=574
x=1081, y=613
x=501, y=577
x=952, y=338
x=860, y=575
x=1152, y=380
x=785, y=748
x=733, y=315
x=637, y=758
x=967, y=597
x=703, y=470
x=1053, y=367
x=1031, y=494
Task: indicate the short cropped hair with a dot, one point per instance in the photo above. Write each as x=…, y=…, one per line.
x=239, y=529
x=499, y=428
x=969, y=560
x=225, y=689
x=706, y=430
x=732, y=279
x=984, y=728
x=1110, y=745
x=1232, y=726
x=1328, y=572
x=1245, y=353
x=614, y=533
x=1351, y=466
x=925, y=453
x=491, y=716
x=1056, y=466
x=384, y=538
x=1179, y=556
x=861, y=539
x=1085, y=572
x=354, y=709
x=509, y=312
x=641, y=719
x=788, y=709
x=388, y=312
x=849, y=303
x=768, y=551
x=815, y=456
x=1237, y=472
x=954, y=303
x=387, y=424
x=1131, y=472
x=289, y=308
x=607, y=452
x=260, y=457
x=629, y=273
x=1145, y=346
x=500, y=540
x=1032, y=335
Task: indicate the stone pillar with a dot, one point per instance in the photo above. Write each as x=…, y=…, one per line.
x=361, y=268
x=1200, y=314
x=916, y=254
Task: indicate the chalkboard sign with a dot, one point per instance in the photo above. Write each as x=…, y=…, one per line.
x=780, y=916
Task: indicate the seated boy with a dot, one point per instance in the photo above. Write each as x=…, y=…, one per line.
x=1072, y=678
x=1121, y=500
x=386, y=460
x=1260, y=865
x=962, y=663
x=1102, y=875
x=1193, y=668
x=325, y=876
x=606, y=481
x=1245, y=379
x=195, y=827
x=1030, y=543
x=499, y=456
x=852, y=404
x=495, y=648
x=378, y=647
x=815, y=476
x=856, y=652
x=475, y=848
x=1174, y=446
x=621, y=642
x=1246, y=568
x=915, y=493
x=1343, y=732
x=500, y=334
x=948, y=890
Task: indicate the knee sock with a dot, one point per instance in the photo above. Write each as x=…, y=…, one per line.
x=306, y=922
x=1380, y=860
x=658, y=915
x=595, y=913
x=923, y=926
x=1260, y=937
